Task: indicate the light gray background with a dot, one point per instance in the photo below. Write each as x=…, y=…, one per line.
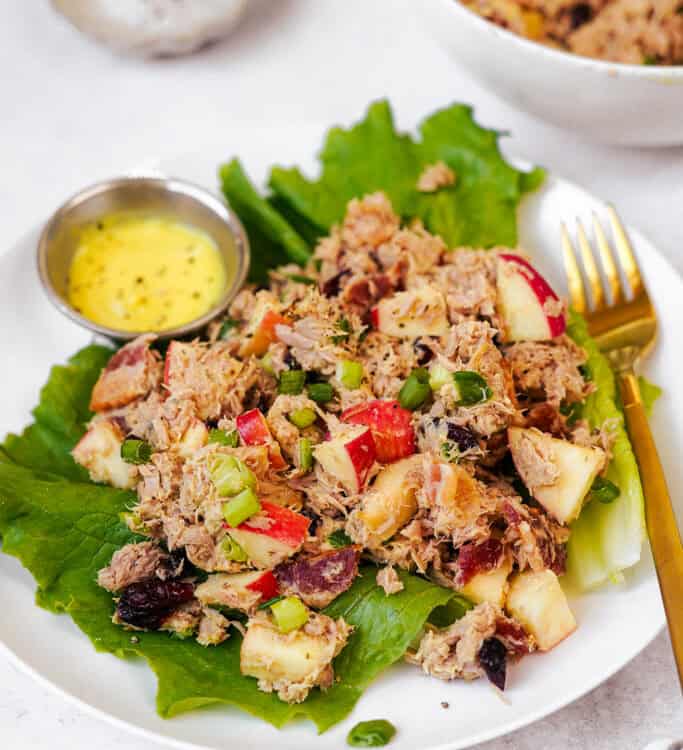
x=71, y=113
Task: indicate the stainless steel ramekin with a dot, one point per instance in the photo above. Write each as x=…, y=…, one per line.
x=159, y=196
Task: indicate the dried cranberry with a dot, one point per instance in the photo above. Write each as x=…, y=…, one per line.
x=172, y=567
x=314, y=517
x=290, y=360
x=477, y=558
x=147, y=603
x=493, y=660
x=423, y=352
x=332, y=286
x=581, y=13
x=462, y=437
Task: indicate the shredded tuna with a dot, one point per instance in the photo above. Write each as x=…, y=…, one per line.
x=388, y=579
x=549, y=371
x=434, y=177
x=130, y=564
x=213, y=628
x=453, y=652
x=535, y=461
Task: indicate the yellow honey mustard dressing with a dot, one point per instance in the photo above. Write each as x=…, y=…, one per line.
x=138, y=272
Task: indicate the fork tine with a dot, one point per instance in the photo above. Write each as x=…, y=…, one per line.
x=591, y=269
x=625, y=253
x=577, y=295
x=607, y=260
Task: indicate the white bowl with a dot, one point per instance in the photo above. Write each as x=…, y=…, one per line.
x=619, y=104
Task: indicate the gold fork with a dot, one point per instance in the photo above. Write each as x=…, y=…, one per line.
x=624, y=324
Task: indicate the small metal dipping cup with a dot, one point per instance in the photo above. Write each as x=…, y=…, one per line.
x=155, y=196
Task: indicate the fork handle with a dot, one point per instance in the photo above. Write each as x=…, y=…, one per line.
x=662, y=528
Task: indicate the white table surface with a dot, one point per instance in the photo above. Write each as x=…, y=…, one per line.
x=72, y=113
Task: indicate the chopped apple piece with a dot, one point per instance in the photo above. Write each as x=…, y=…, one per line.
x=260, y=332
x=391, y=425
x=241, y=591
x=292, y=663
x=416, y=312
x=490, y=586
x=557, y=473
x=389, y=505
x=196, y=436
x=253, y=429
x=99, y=451
x=272, y=535
x=131, y=373
x=348, y=456
x=537, y=601
x=455, y=495
x=530, y=309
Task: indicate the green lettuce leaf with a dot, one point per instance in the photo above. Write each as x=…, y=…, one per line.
x=479, y=210
x=273, y=241
x=649, y=393
x=63, y=530
x=60, y=417
x=606, y=539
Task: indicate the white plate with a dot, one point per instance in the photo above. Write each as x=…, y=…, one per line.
x=615, y=623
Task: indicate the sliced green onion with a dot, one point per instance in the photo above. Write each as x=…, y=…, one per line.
x=438, y=377
x=415, y=390
x=305, y=454
x=242, y=506
x=472, y=388
x=339, y=538
x=291, y=382
x=302, y=418
x=134, y=522
x=270, y=602
x=230, y=475
x=266, y=363
x=227, y=327
x=232, y=550
x=604, y=491
x=321, y=393
x=223, y=437
x=290, y=613
x=572, y=411
x=135, y=451
x=299, y=278
x=376, y=733
x=349, y=373
x=345, y=326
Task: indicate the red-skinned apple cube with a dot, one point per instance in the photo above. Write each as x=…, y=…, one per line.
x=530, y=309
x=261, y=333
x=348, y=457
x=272, y=535
x=238, y=590
x=265, y=584
x=253, y=429
x=391, y=427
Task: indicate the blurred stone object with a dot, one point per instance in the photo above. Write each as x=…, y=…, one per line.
x=153, y=28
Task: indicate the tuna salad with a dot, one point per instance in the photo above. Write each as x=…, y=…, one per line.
x=639, y=32
x=394, y=401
